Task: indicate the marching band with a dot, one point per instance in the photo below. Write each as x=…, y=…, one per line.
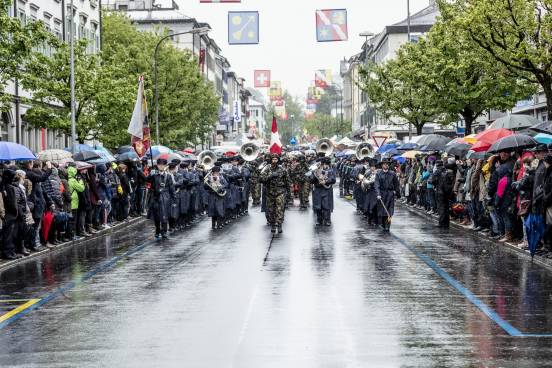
x=222, y=186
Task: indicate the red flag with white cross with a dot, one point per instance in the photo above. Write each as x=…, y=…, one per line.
x=262, y=78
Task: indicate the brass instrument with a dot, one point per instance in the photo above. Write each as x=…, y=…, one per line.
x=364, y=150
x=250, y=151
x=325, y=146
x=215, y=185
x=367, y=181
x=320, y=174
x=206, y=159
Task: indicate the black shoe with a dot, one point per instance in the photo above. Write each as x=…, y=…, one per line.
x=12, y=257
x=273, y=230
x=25, y=252
x=280, y=230
x=328, y=223
x=164, y=237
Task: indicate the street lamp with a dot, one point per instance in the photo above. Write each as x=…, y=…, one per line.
x=366, y=35
x=156, y=91
x=340, y=90
x=72, y=81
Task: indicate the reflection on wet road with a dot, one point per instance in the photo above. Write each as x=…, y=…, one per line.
x=345, y=296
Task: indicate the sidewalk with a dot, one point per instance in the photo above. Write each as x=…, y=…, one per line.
x=5, y=264
x=510, y=247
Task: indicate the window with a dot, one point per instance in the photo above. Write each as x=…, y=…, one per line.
x=82, y=27
x=22, y=15
x=57, y=29
x=34, y=13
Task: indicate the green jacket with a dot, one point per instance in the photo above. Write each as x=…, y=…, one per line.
x=76, y=186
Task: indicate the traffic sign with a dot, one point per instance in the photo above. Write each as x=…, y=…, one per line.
x=379, y=140
x=293, y=141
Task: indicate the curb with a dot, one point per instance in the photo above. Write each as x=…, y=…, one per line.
x=4, y=265
x=509, y=247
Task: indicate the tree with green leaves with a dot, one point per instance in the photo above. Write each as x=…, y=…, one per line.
x=515, y=33
x=188, y=105
x=462, y=80
x=326, y=126
x=399, y=89
x=16, y=48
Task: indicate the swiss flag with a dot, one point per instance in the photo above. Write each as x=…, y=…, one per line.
x=275, y=144
x=262, y=78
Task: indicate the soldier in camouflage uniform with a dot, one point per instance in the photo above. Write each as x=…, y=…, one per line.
x=254, y=182
x=276, y=180
x=298, y=170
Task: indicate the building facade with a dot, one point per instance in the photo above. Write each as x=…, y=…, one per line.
x=377, y=50
x=165, y=16
x=56, y=16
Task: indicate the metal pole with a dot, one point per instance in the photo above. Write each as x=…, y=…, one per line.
x=408, y=31
x=72, y=81
x=155, y=87
x=156, y=92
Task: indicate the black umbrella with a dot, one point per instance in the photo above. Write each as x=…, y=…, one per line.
x=458, y=149
x=124, y=149
x=433, y=142
x=513, y=142
x=476, y=155
x=544, y=127
x=127, y=156
x=86, y=156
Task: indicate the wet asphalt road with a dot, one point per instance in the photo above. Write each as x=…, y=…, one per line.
x=345, y=296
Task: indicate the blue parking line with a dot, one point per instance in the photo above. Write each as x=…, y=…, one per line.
x=489, y=312
x=74, y=283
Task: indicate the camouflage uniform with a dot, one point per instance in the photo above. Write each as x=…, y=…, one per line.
x=298, y=177
x=254, y=182
x=276, y=180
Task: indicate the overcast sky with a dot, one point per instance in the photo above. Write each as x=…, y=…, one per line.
x=288, y=44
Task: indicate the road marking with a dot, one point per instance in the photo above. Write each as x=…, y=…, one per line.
x=13, y=300
x=19, y=309
x=488, y=311
x=19, y=312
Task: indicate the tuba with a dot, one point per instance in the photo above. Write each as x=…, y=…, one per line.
x=325, y=146
x=249, y=151
x=214, y=184
x=364, y=150
x=207, y=159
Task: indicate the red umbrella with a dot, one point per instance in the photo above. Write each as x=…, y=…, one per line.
x=230, y=154
x=188, y=150
x=47, y=220
x=493, y=135
x=481, y=146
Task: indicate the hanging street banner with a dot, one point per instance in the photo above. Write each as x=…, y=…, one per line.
x=315, y=93
x=323, y=78
x=275, y=91
x=331, y=25
x=312, y=101
x=243, y=28
x=262, y=78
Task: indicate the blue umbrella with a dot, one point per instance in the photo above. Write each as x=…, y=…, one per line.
x=12, y=151
x=81, y=147
x=408, y=146
x=105, y=156
x=386, y=147
x=543, y=138
x=534, y=228
x=128, y=156
x=401, y=160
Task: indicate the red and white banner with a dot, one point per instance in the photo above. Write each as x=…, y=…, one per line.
x=262, y=78
x=275, y=143
x=323, y=78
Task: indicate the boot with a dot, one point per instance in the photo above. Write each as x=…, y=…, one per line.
x=273, y=229
x=213, y=223
x=508, y=237
x=280, y=229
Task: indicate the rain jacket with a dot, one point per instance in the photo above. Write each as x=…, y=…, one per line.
x=76, y=186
